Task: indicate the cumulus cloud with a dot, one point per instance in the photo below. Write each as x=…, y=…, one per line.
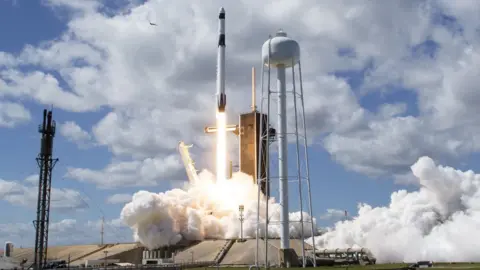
x=12, y=114
x=119, y=198
x=159, y=94
x=156, y=82
x=66, y=232
x=16, y=193
x=32, y=179
x=83, y=5
x=333, y=214
x=73, y=132
x=145, y=172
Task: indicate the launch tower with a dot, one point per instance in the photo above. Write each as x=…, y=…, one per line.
x=253, y=160
x=46, y=164
x=283, y=54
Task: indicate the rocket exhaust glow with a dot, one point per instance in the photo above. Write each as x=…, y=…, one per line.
x=221, y=147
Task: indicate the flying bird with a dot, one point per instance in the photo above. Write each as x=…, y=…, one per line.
x=154, y=24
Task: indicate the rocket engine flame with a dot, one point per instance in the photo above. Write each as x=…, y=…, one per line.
x=221, y=147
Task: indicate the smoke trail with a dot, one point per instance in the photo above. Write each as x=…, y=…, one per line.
x=206, y=209
x=439, y=222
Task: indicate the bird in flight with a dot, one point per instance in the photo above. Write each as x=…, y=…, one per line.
x=154, y=24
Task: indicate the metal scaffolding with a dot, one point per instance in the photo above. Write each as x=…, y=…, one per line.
x=46, y=164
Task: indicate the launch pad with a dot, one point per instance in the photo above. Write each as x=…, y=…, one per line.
x=222, y=252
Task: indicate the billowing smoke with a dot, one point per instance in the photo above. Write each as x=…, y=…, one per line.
x=202, y=210
x=439, y=222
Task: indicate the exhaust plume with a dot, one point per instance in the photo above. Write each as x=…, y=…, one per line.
x=439, y=222
x=221, y=146
x=205, y=209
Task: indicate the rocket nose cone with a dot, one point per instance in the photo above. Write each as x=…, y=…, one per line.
x=222, y=10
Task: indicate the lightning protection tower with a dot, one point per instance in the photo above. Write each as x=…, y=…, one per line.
x=46, y=164
x=283, y=54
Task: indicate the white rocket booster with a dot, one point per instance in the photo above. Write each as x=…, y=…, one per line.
x=221, y=97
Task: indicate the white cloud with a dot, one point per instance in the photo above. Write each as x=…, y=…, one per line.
x=44, y=88
x=67, y=231
x=157, y=83
x=12, y=114
x=119, y=198
x=32, y=179
x=26, y=195
x=333, y=214
x=145, y=172
x=389, y=110
x=74, y=133
x=75, y=5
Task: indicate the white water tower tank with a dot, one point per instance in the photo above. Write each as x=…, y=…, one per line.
x=283, y=51
x=8, y=249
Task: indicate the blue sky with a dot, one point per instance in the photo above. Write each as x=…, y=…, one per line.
x=335, y=184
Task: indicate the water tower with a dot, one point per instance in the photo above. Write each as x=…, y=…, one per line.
x=283, y=54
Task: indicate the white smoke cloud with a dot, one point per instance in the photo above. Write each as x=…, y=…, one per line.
x=205, y=209
x=438, y=222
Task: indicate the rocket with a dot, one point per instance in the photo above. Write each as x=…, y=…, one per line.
x=221, y=97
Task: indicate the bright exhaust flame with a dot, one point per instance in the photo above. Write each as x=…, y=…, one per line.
x=221, y=147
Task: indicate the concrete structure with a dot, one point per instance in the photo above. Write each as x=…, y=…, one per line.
x=158, y=256
x=199, y=253
x=100, y=263
x=205, y=251
x=232, y=252
x=78, y=254
x=348, y=255
x=8, y=263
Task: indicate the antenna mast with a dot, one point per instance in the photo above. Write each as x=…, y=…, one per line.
x=46, y=164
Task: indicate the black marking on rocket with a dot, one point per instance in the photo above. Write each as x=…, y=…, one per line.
x=221, y=40
x=222, y=102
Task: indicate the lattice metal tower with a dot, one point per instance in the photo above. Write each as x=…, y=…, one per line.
x=46, y=164
x=283, y=54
